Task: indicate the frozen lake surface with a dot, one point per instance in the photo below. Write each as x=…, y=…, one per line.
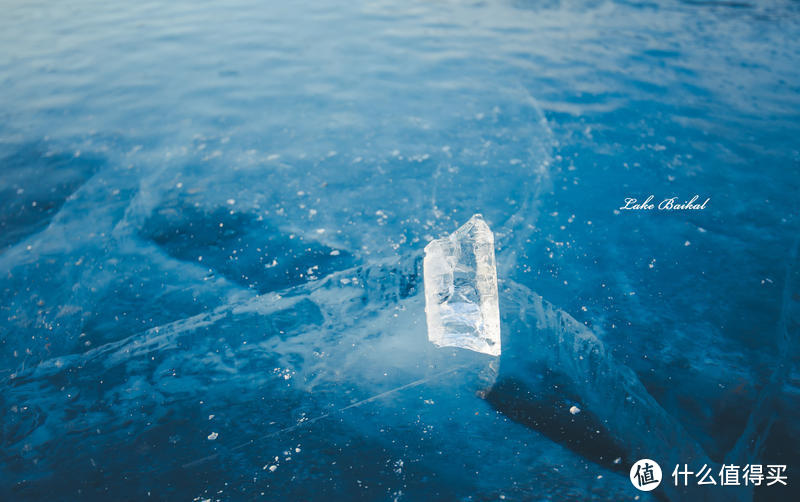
x=212, y=218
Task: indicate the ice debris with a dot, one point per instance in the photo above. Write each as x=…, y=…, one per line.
x=461, y=299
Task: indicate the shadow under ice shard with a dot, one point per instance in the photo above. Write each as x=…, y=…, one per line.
x=461, y=300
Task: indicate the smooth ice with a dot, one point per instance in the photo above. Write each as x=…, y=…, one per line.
x=461, y=300
x=237, y=233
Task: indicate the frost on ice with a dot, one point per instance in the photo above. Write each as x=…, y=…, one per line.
x=461, y=300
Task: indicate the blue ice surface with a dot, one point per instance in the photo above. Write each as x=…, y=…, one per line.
x=211, y=223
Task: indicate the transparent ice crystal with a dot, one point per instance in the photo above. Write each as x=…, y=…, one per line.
x=461, y=300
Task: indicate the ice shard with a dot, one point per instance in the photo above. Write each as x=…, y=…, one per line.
x=461, y=300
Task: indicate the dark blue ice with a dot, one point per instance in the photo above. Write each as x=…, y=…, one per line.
x=212, y=218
